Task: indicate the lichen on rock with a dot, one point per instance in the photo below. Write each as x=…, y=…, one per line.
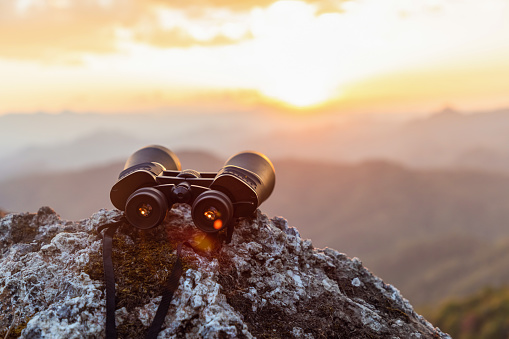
x=267, y=283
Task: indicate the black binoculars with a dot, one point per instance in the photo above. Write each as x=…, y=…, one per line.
x=152, y=181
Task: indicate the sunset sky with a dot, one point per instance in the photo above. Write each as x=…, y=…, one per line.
x=297, y=56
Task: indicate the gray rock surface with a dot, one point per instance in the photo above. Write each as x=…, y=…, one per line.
x=268, y=283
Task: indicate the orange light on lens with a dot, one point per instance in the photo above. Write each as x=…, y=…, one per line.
x=145, y=210
x=218, y=224
x=210, y=215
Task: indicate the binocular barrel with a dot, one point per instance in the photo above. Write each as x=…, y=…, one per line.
x=141, y=170
x=247, y=177
x=245, y=181
x=154, y=154
x=152, y=181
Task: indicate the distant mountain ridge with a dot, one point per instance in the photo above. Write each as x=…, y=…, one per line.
x=97, y=148
x=53, y=132
x=459, y=140
x=448, y=139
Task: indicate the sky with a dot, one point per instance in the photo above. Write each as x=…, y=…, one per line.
x=387, y=56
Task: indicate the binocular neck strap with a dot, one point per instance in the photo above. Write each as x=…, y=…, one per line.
x=109, y=278
x=169, y=288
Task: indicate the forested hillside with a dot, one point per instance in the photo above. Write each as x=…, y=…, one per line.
x=484, y=315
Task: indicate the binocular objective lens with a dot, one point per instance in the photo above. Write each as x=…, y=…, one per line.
x=212, y=211
x=145, y=210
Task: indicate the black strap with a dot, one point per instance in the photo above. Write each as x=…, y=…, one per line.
x=109, y=278
x=170, y=286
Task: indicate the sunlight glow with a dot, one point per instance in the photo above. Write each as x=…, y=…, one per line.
x=290, y=52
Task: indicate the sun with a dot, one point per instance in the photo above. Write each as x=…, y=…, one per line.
x=299, y=93
x=289, y=41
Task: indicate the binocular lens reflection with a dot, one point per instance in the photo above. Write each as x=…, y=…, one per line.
x=218, y=224
x=145, y=210
x=212, y=214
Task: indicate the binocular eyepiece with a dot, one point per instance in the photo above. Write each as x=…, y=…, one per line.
x=152, y=181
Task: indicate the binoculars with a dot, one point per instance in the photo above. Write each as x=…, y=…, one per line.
x=152, y=181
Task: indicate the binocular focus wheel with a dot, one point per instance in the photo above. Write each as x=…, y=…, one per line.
x=212, y=211
x=146, y=208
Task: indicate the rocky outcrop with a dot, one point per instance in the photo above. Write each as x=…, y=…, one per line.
x=267, y=283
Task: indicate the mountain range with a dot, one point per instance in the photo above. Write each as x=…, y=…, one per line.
x=70, y=141
x=432, y=233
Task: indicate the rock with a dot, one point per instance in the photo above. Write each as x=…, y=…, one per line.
x=267, y=283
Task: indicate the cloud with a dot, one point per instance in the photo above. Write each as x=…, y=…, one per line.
x=244, y=5
x=54, y=41
x=168, y=28
x=179, y=38
x=56, y=30
x=53, y=30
